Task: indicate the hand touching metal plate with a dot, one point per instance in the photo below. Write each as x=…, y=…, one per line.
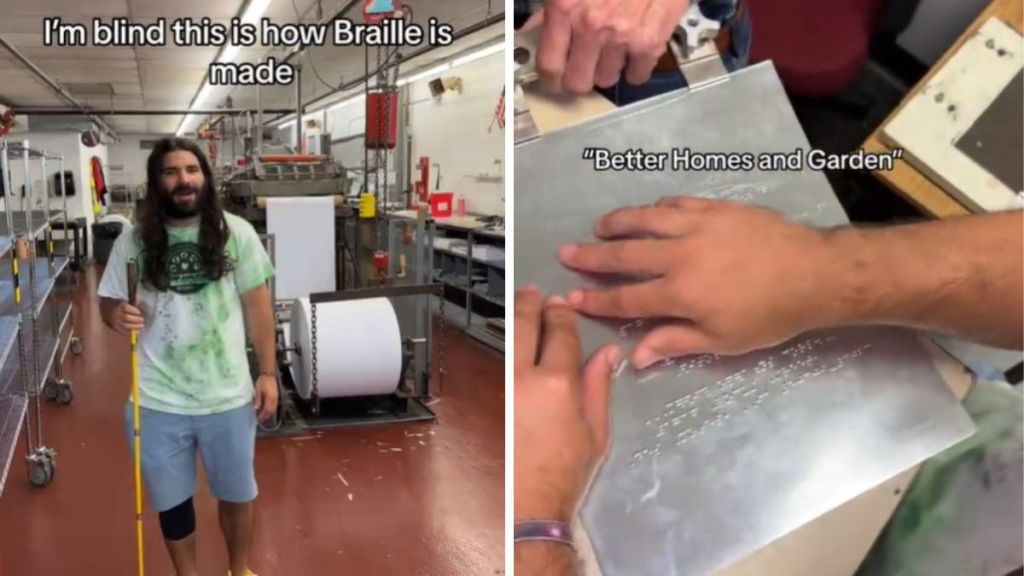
x=713, y=458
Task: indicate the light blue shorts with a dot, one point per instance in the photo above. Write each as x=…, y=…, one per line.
x=226, y=441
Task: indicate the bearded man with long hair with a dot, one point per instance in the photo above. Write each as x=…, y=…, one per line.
x=200, y=269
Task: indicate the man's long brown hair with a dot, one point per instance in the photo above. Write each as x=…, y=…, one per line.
x=152, y=217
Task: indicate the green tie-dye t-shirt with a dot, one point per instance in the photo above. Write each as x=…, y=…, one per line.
x=192, y=356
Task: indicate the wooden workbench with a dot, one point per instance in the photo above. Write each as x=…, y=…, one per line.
x=907, y=180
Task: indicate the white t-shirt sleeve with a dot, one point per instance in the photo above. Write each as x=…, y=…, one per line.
x=114, y=283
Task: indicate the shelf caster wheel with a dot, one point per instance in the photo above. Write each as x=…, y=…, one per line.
x=65, y=393
x=77, y=346
x=51, y=390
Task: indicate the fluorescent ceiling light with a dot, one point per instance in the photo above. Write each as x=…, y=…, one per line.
x=253, y=12
x=286, y=124
x=474, y=56
x=420, y=76
x=280, y=121
x=184, y=122
x=346, y=101
x=436, y=70
x=229, y=53
x=471, y=57
x=203, y=96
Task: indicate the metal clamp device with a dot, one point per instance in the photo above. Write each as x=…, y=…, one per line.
x=524, y=58
x=692, y=43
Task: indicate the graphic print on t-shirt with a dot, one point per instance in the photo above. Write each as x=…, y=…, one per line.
x=185, y=268
x=192, y=352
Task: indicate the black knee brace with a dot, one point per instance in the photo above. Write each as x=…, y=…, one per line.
x=179, y=522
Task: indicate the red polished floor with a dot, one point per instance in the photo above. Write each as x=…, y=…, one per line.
x=423, y=499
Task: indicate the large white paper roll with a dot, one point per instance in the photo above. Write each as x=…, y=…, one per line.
x=359, y=348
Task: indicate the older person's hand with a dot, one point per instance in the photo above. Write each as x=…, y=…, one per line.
x=587, y=43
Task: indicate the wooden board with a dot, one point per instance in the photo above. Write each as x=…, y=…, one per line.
x=990, y=144
x=932, y=125
x=907, y=180
x=552, y=112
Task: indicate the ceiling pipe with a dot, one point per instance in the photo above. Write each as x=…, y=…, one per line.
x=56, y=87
x=339, y=13
x=489, y=21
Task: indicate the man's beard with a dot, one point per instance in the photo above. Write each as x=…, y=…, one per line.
x=174, y=209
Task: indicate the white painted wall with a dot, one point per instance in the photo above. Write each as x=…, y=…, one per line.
x=453, y=131
x=349, y=119
x=127, y=153
x=936, y=26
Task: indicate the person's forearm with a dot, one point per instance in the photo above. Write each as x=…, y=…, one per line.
x=545, y=559
x=107, y=308
x=259, y=312
x=962, y=276
x=264, y=338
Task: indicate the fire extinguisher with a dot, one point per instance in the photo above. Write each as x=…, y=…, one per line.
x=422, y=186
x=380, y=264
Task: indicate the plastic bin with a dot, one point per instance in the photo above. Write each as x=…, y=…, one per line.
x=103, y=236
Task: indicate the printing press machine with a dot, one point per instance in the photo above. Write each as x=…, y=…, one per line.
x=403, y=277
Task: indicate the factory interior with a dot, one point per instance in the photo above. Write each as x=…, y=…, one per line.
x=375, y=179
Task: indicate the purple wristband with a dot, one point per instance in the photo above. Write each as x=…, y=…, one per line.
x=544, y=530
